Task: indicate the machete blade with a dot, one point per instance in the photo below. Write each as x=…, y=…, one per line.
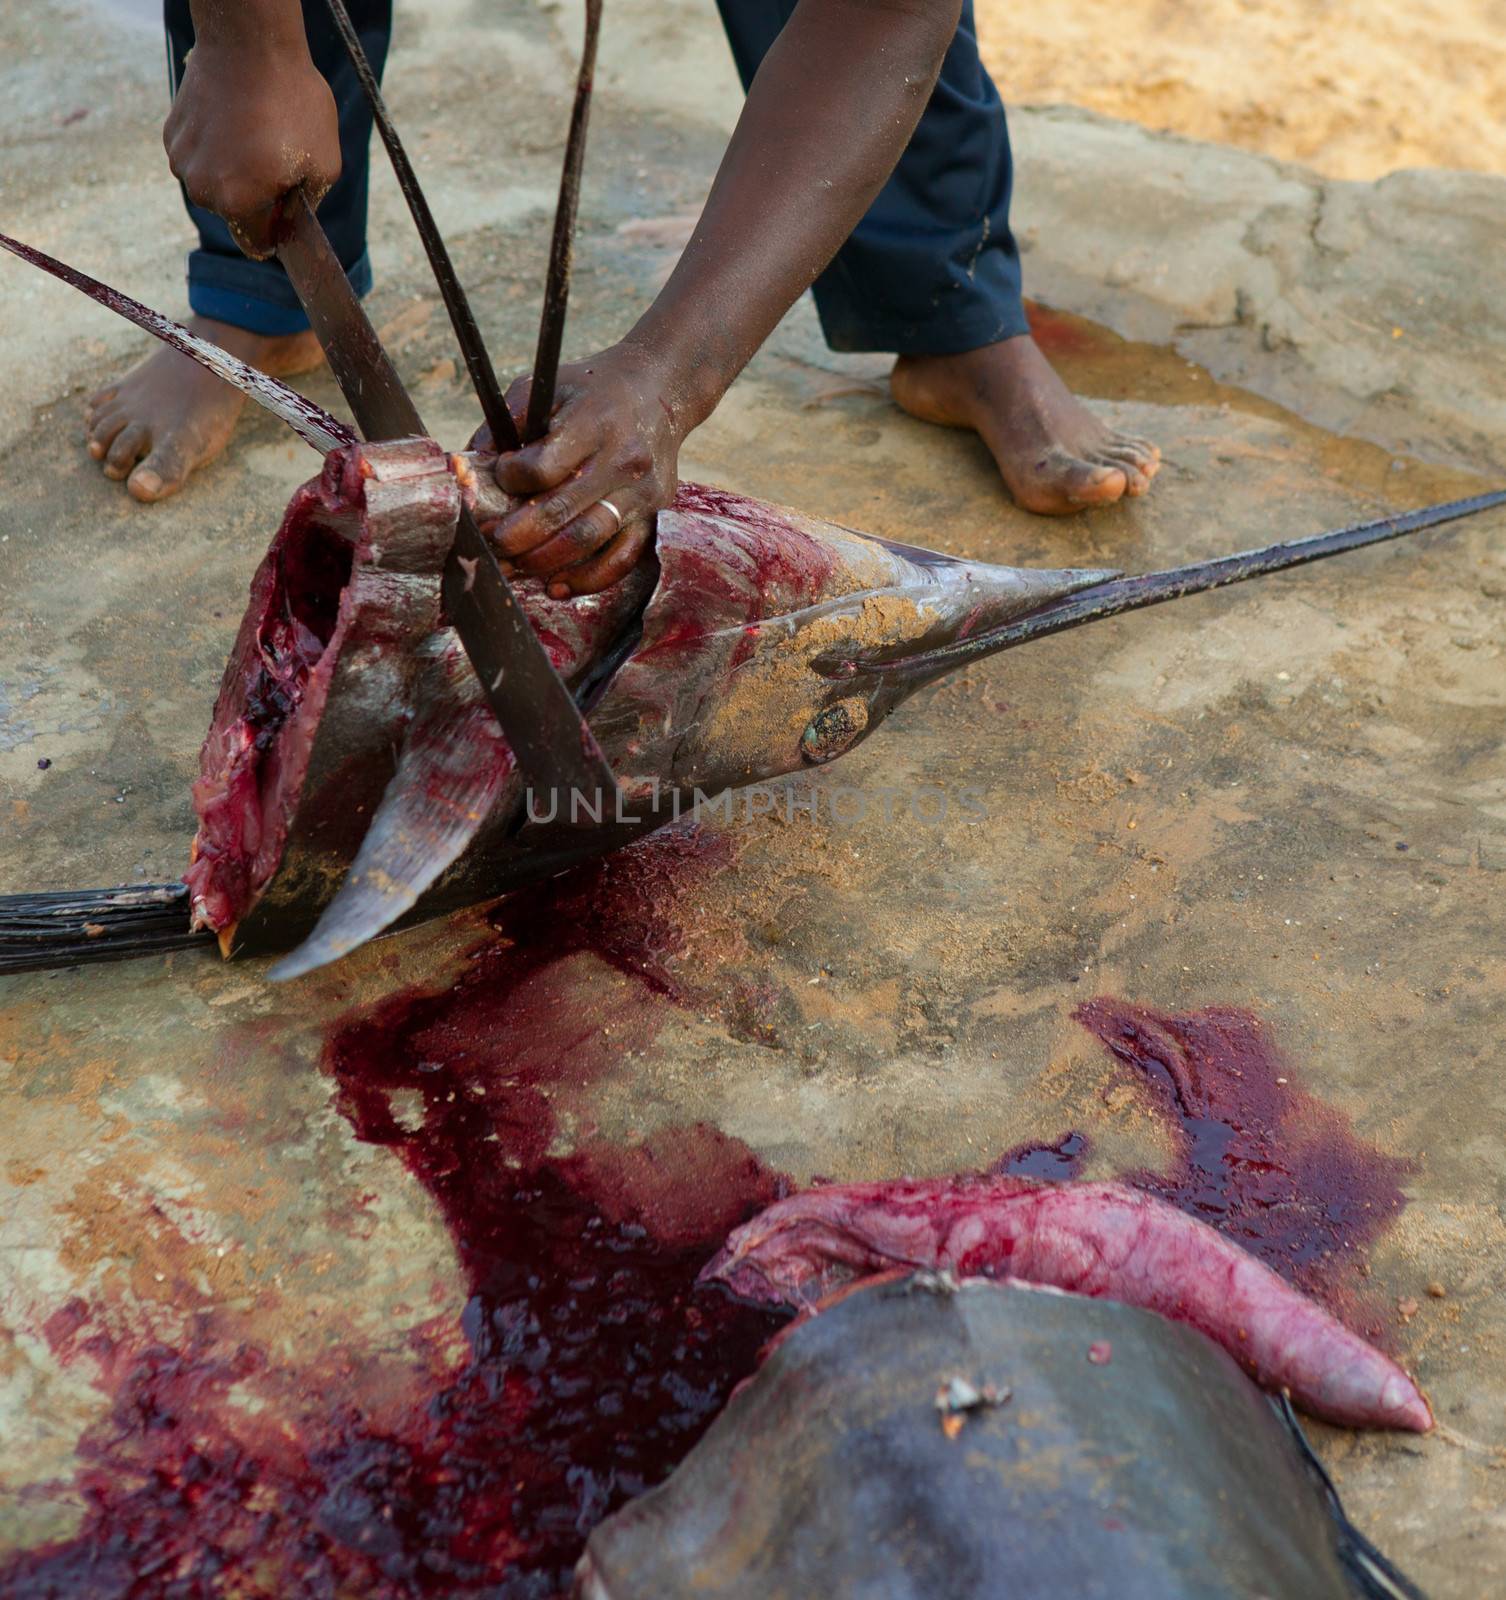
x=546, y=359
x=478, y=361
x=313, y=424
x=548, y=736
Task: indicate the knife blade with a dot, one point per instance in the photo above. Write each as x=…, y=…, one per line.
x=554, y=746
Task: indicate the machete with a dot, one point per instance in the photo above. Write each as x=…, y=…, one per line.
x=549, y=737
x=312, y=423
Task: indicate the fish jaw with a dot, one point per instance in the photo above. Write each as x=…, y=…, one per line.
x=1101, y=1240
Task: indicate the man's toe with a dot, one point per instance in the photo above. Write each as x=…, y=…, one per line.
x=126, y=450
x=1134, y=462
x=1144, y=453
x=1061, y=483
x=102, y=431
x=161, y=474
x=1137, y=471
x=1092, y=483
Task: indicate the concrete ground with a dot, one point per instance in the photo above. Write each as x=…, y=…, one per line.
x=1288, y=797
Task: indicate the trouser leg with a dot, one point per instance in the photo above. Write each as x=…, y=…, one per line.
x=256, y=295
x=932, y=268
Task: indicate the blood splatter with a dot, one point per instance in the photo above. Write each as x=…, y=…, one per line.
x=591, y=1362
x=1260, y=1159
x=1059, y=1161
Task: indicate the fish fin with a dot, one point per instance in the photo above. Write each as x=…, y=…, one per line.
x=1376, y=1577
x=451, y=772
x=312, y=423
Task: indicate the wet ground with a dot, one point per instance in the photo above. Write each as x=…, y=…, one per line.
x=283, y=1266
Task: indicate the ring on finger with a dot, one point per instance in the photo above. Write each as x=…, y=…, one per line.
x=607, y=505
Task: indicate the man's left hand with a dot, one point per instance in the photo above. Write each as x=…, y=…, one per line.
x=613, y=442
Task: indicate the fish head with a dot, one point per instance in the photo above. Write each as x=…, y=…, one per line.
x=752, y=643
x=776, y=642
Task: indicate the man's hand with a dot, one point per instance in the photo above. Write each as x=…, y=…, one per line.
x=615, y=435
x=827, y=118
x=252, y=119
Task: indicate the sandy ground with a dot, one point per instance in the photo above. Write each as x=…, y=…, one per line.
x=1287, y=798
x=1355, y=88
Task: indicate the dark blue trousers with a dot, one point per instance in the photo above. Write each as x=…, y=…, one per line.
x=932, y=269
x=224, y=284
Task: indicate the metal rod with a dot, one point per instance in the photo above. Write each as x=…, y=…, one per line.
x=467, y=333
x=546, y=360
x=1154, y=588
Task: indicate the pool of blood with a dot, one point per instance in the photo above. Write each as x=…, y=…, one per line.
x=1059, y=1162
x=594, y=1359
x=1258, y=1157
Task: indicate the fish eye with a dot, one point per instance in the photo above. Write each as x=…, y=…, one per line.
x=833, y=729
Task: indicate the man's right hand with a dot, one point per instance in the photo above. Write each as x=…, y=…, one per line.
x=252, y=119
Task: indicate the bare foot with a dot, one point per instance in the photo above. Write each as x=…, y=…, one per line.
x=171, y=415
x=1054, y=454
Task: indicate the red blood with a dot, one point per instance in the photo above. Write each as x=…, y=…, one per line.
x=1100, y=1352
x=595, y=1359
x=1262, y=1160
x=60, y=1327
x=594, y=1362
x=1059, y=1161
x=1061, y=335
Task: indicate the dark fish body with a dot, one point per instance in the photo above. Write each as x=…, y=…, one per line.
x=932, y=1442
x=351, y=743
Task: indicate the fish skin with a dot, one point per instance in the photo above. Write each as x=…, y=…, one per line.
x=1102, y=1240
